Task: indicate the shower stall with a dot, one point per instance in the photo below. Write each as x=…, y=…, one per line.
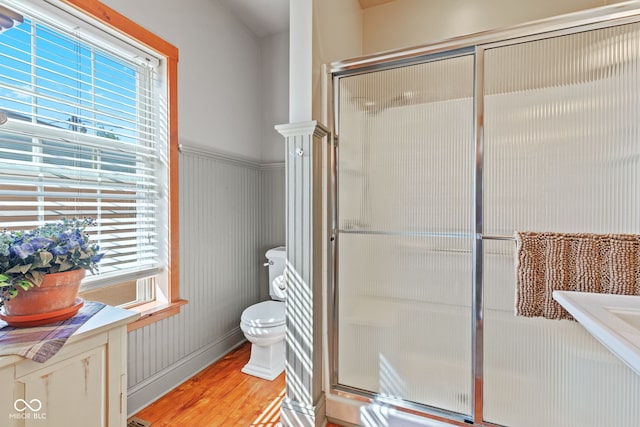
x=441, y=154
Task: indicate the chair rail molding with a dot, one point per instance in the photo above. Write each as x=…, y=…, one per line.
x=304, y=404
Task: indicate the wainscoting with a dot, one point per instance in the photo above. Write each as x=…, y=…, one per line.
x=231, y=212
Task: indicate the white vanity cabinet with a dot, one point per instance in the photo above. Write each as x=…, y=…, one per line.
x=84, y=384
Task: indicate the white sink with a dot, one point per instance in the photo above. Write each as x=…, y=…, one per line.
x=632, y=317
x=614, y=320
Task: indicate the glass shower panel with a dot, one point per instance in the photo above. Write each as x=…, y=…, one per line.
x=561, y=154
x=404, y=232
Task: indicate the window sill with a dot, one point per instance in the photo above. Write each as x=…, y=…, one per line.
x=153, y=312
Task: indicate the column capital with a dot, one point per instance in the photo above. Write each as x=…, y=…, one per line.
x=302, y=128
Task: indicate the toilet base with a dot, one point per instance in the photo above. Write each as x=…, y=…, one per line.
x=266, y=362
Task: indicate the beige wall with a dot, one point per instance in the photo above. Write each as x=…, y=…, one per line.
x=337, y=34
x=403, y=23
x=322, y=31
x=342, y=30
x=218, y=71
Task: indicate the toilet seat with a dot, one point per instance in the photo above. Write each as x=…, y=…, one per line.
x=266, y=314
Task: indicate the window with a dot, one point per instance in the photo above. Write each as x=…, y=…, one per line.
x=86, y=134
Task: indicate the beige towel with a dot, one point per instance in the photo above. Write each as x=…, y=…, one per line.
x=546, y=262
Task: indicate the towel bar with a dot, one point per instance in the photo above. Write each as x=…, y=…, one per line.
x=499, y=238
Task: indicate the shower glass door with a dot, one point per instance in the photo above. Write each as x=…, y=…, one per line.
x=404, y=232
x=561, y=154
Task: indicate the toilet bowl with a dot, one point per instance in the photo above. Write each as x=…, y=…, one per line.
x=263, y=324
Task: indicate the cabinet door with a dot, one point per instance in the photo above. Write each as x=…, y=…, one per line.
x=66, y=393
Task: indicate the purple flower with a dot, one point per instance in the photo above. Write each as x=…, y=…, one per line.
x=59, y=250
x=96, y=258
x=38, y=242
x=74, y=239
x=23, y=251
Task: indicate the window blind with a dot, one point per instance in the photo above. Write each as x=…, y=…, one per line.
x=82, y=138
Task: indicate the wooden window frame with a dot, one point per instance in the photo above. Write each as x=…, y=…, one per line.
x=153, y=311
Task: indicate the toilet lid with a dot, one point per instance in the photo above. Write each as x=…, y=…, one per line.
x=265, y=314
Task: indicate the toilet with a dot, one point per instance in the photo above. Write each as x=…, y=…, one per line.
x=263, y=324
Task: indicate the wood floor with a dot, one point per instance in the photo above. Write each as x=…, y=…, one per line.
x=221, y=396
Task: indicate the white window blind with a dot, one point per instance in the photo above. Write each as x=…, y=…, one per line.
x=83, y=138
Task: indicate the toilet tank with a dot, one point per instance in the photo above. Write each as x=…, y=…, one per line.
x=277, y=259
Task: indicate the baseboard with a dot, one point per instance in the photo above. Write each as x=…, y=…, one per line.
x=295, y=414
x=343, y=411
x=352, y=412
x=162, y=382
x=375, y=415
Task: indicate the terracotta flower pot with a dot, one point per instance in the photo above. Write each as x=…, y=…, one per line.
x=57, y=291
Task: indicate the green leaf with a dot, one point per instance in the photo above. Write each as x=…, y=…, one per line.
x=42, y=260
x=24, y=284
x=65, y=265
x=3, y=278
x=46, y=257
x=19, y=269
x=36, y=277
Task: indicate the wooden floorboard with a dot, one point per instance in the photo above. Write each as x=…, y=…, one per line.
x=220, y=396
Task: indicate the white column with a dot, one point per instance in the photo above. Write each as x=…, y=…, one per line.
x=304, y=404
x=300, y=60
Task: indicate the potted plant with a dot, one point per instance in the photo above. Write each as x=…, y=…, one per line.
x=41, y=269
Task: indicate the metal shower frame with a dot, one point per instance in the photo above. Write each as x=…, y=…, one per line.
x=476, y=45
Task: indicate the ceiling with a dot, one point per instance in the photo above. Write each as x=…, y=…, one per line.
x=267, y=17
x=262, y=17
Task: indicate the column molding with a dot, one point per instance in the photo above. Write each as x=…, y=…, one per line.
x=304, y=404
